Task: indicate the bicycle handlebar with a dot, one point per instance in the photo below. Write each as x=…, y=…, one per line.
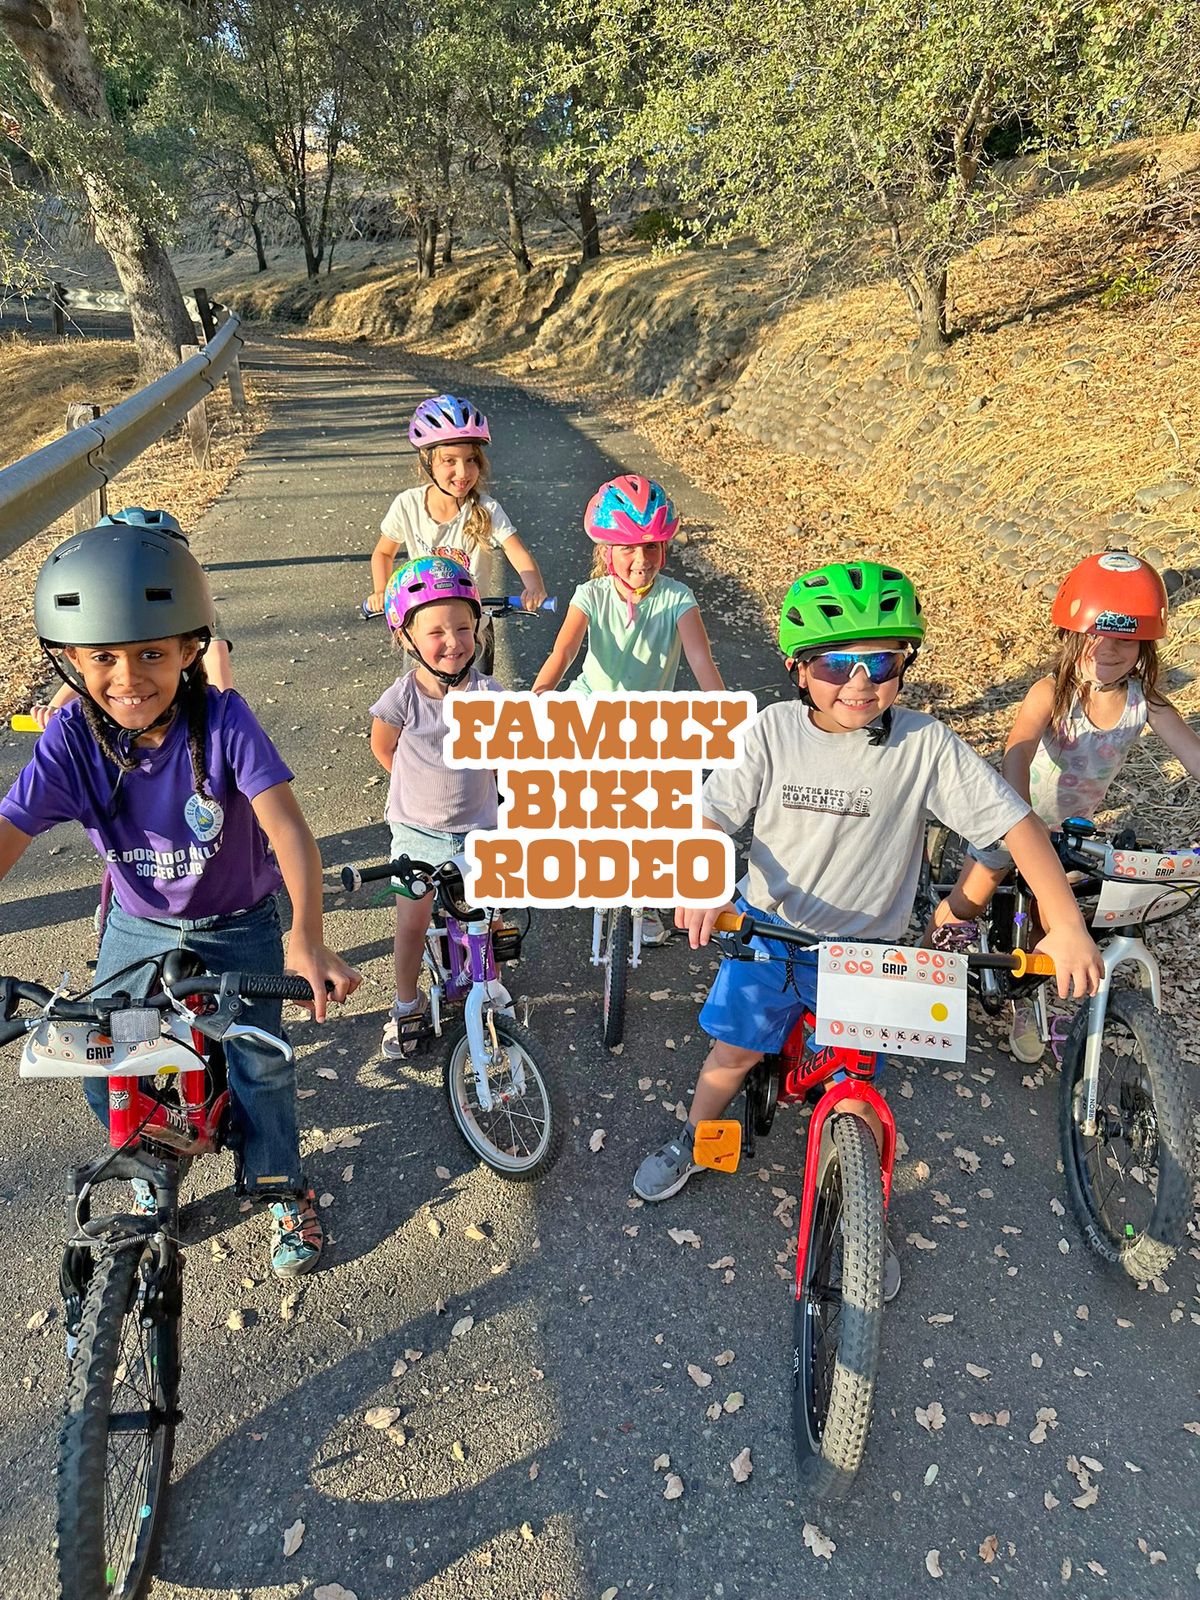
x=495, y=605
x=23, y=723
x=65, y=1008
x=1021, y=963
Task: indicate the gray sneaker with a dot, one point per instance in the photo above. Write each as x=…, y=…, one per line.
x=667, y=1170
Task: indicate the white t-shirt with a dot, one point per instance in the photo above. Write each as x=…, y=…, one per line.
x=839, y=823
x=408, y=523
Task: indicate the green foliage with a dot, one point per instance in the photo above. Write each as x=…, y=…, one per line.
x=1132, y=285
x=660, y=226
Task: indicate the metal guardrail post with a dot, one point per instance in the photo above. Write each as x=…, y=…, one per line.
x=44, y=485
x=58, y=304
x=80, y=414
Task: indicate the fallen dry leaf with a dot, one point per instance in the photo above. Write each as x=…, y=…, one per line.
x=919, y=1241
x=987, y=1550
x=292, y=1538
x=596, y=1142
x=381, y=1416
x=475, y=1233
x=716, y=1266
x=713, y=1411
x=661, y=1463
x=931, y=1473
x=1050, y=1501
x=1088, y=1498
x=441, y=1172
x=463, y=1325
x=733, y=1402
x=723, y=1359
x=932, y=1418
x=684, y=1236
x=968, y=1160
x=333, y=1591
x=327, y=1072
x=698, y=1376
x=741, y=1466
x=436, y=1230
x=817, y=1542
x=978, y=1372
x=673, y=1488
x=933, y=1563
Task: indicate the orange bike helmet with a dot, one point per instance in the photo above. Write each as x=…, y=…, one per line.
x=1114, y=593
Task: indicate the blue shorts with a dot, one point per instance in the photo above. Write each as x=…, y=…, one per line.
x=756, y=1004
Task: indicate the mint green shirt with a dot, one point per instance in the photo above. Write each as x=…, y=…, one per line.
x=640, y=655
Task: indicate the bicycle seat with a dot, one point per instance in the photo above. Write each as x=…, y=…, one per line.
x=178, y=964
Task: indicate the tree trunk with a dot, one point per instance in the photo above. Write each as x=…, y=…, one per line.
x=925, y=288
x=427, y=237
x=51, y=39
x=589, y=223
x=258, y=240
x=448, y=242
x=516, y=228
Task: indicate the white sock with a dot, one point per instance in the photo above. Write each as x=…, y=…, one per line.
x=405, y=1008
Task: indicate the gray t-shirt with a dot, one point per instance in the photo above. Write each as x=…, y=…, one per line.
x=839, y=823
x=424, y=790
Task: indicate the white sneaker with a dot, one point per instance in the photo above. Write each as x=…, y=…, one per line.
x=653, y=930
x=1024, y=1035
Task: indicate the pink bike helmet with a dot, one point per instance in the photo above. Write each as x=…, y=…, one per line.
x=630, y=510
x=447, y=420
x=424, y=582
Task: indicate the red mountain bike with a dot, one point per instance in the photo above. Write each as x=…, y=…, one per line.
x=122, y=1275
x=849, y=1156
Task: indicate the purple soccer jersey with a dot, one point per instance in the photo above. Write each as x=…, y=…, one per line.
x=171, y=851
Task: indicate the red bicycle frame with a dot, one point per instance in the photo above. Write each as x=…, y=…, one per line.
x=189, y=1128
x=801, y=1071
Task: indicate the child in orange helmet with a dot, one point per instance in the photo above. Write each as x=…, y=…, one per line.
x=1077, y=725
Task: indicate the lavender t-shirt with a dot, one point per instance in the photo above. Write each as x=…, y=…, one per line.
x=424, y=791
x=171, y=852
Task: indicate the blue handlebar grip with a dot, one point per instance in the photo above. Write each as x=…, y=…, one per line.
x=550, y=603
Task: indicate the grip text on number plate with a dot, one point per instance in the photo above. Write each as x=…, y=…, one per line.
x=890, y=998
x=1139, y=885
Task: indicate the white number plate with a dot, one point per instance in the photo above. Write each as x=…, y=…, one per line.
x=900, y=1001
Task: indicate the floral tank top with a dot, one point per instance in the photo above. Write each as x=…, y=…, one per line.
x=1072, y=770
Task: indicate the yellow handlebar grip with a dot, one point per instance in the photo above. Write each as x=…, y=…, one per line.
x=24, y=724
x=1032, y=963
x=729, y=922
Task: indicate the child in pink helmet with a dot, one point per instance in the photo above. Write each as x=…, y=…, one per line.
x=432, y=607
x=448, y=513
x=638, y=624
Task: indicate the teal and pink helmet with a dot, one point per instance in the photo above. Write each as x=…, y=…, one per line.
x=425, y=582
x=630, y=510
x=446, y=419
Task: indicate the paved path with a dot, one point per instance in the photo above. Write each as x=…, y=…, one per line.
x=528, y=1469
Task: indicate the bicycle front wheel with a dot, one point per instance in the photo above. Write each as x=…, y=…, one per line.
x=619, y=921
x=1130, y=1181
x=522, y=1134
x=839, y=1313
x=114, y=1459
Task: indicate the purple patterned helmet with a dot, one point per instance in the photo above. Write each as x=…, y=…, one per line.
x=424, y=582
x=447, y=420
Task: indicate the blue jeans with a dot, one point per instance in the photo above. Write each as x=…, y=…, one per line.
x=262, y=1085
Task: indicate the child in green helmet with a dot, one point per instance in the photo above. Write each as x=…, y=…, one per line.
x=839, y=784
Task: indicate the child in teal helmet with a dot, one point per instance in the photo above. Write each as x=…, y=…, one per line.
x=839, y=784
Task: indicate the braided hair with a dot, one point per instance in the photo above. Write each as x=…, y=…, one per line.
x=192, y=702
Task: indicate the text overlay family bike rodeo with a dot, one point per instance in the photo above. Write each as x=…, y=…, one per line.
x=599, y=796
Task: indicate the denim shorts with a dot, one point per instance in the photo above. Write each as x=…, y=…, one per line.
x=755, y=1005
x=996, y=856
x=431, y=845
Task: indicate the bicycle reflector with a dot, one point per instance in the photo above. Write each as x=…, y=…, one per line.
x=718, y=1145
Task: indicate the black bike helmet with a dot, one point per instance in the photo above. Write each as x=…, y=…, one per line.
x=139, y=517
x=117, y=585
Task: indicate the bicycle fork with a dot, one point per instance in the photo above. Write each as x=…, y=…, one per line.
x=866, y=1094
x=486, y=996
x=1118, y=949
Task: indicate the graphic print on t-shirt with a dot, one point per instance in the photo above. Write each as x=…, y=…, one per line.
x=204, y=817
x=839, y=802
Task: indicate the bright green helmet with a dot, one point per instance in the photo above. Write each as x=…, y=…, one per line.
x=849, y=600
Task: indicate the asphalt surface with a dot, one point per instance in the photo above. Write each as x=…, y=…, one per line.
x=526, y=1469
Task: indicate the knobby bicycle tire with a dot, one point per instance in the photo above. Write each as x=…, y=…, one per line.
x=526, y=1151
x=842, y=1295
x=616, y=972
x=102, y=1444
x=1145, y=1252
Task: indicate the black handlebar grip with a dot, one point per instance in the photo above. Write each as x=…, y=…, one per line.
x=10, y=1031
x=275, y=986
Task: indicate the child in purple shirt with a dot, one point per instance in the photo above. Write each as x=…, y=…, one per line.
x=188, y=803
